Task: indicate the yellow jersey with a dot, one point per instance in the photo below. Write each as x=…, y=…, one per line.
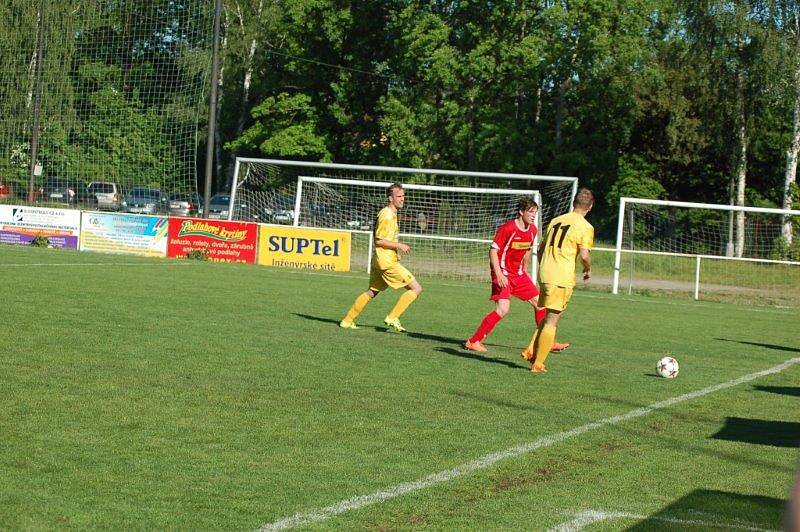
x=386, y=228
x=565, y=235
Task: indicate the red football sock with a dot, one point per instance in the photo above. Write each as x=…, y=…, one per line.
x=486, y=326
x=539, y=315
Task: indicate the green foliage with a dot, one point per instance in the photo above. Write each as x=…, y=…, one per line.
x=40, y=241
x=285, y=126
x=783, y=250
x=635, y=180
x=197, y=254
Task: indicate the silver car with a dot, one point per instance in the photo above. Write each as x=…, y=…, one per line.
x=143, y=200
x=186, y=204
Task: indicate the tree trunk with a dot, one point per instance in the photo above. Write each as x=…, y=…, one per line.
x=791, y=156
x=244, y=104
x=222, y=183
x=741, y=166
x=562, y=89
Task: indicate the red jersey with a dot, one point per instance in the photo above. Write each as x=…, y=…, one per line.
x=512, y=243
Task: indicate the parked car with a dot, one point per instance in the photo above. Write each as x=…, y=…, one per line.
x=107, y=195
x=67, y=191
x=219, y=205
x=142, y=200
x=281, y=210
x=6, y=192
x=186, y=204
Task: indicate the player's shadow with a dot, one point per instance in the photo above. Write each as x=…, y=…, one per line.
x=759, y=344
x=471, y=355
x=782, y=390
x=454, y=351
x=410, y=334
x=761, y=432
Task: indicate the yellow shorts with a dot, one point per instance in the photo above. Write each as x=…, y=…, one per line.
x=554, y=297
x=395, y=276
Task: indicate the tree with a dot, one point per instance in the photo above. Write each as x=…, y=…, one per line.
x=789, y=17
x=285, y=126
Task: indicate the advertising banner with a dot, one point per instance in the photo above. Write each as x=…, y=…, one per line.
x=309, y=249
x=20, y=225
x=221, y=241
x=124, y=233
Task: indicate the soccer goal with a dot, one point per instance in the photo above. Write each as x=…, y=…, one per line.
x=694, y=248
x=448, y=228
x=449, y=219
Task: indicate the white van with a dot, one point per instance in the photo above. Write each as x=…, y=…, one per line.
x=109, y=195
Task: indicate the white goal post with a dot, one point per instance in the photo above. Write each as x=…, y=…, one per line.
x=689, y=247
x=451, y=213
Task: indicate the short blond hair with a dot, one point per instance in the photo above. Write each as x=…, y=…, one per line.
x=394, y=186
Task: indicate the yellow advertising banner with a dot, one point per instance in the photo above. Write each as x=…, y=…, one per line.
x=308, y=249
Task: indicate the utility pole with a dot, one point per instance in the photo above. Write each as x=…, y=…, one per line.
x=212, y=108
x=37, y=103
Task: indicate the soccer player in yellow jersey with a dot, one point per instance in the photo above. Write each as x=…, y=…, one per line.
x=386, y=269
x=568, y=236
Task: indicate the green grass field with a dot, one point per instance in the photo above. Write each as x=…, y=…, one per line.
x=154, y=394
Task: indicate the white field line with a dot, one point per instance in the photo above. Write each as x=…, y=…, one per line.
x=588, y=517
x=316, y=516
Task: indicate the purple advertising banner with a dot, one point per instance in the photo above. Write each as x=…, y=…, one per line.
x=20, y=225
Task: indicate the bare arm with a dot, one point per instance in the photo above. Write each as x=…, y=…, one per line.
x=494, y=259
x=586, y=259
x=388, y=244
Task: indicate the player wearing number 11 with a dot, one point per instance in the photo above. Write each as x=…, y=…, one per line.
x=568, y=236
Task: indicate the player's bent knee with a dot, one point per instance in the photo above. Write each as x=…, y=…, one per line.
x=503, y=306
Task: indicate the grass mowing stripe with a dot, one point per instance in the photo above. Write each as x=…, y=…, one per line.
x=94, y=264
x=589, y=517
x=488, y=460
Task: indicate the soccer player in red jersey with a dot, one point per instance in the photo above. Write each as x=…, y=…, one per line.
x=508, y=255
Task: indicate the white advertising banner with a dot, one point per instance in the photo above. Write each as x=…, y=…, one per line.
x=130, y=234
x=20, y=225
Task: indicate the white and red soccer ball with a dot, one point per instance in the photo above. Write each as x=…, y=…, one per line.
x=667, y=367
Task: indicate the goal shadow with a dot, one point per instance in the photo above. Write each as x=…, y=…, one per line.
x=760, y=344
x=782, y=390
x=760, y=432
x=711, y=509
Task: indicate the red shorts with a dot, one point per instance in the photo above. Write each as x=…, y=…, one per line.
x=519, y=286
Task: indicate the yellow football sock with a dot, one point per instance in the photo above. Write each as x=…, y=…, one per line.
x=402, y=304
x=359, y=304
x=544, y=343
x=533, y=339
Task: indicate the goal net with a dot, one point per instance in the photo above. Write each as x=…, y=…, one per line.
x=694, y=248
x=117, y=88
x=449, y=217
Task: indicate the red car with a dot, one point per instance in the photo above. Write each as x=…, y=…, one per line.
x=5, y=191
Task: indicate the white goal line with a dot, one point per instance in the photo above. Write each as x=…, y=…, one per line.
x=361, y=501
